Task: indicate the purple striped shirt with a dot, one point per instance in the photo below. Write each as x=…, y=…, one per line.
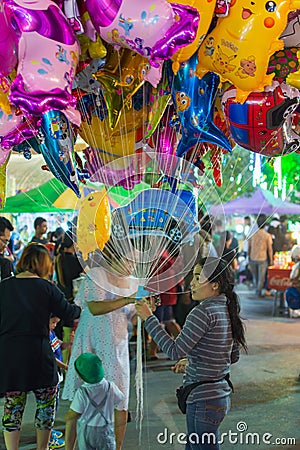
x=206, y=340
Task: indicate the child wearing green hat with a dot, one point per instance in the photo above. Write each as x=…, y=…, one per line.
x=91, y=414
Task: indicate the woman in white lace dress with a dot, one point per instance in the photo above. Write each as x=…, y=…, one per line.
x=107, y=300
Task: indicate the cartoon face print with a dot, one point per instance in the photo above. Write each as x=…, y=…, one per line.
x=247, y=67
x=126, y=24
x=209, y=46
x=183, y=101
x=222, y=61
x=143, y=70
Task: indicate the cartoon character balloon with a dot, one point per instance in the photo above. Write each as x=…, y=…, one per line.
x=263, y=123
x=294, y=78
x=15, y=129
x=291, y=33
x=139, y=26
x=283, y=63
x=47, y=55
x=205, y=10
x=120, y=84
x=93, y=226
x=239, y=47
x=57, y=148
x=194, y=103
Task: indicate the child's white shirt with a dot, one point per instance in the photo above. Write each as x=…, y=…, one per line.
x=97, y=391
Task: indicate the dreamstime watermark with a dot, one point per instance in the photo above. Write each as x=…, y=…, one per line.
x=241, y=436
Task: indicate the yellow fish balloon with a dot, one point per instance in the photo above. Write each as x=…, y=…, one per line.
x=241, y=44
x=205, y=9
x=93, y=226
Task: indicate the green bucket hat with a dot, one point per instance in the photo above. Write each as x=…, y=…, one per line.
x=89, y=368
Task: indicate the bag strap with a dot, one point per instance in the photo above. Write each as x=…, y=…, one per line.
x=98, y=407
x=192, y=386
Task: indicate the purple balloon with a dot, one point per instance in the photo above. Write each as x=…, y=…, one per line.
x=103, y=12
x=180, y=34
x=108, y=174
x=48, y=20
x=8, y=57
x=36, y=103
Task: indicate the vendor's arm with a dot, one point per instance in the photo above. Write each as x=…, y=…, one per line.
x=104, y=307
x=196, y=325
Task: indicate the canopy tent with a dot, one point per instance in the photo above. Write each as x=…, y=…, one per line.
x=259, y=201
x=36, y=200
x=54, y=196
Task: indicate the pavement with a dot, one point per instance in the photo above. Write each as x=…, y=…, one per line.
x=265, y=408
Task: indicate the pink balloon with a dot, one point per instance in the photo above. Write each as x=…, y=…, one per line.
x=14, y=129
x=4, y=154
x=8, y=55
x=133, y=25
x=47, y=54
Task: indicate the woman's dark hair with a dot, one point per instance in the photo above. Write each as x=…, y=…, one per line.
x=66, y=242
x=217, y=270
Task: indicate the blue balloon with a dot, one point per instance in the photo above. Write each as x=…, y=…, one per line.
x=57, y=148
x=194, y=101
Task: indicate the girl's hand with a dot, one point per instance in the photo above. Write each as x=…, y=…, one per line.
x=143, y=310
x=180, y=366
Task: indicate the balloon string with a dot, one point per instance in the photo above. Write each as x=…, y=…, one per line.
x=139, y=381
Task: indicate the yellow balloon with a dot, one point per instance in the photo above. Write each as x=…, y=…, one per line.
x=3, y=168
x=205, y=9
x=239, y=47
x=93, y=226
x=122, y=82
x=294, y=78
x=110, y=146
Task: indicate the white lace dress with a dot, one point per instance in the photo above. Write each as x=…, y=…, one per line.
x=106, y=335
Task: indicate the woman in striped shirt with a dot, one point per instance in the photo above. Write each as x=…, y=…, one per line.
x=210, y=339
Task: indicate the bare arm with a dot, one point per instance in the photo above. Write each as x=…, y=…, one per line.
x=270, y=251
x=71, y=435
x=61, y=364
x=99, y=308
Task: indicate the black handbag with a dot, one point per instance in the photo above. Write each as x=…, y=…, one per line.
x=183, y=392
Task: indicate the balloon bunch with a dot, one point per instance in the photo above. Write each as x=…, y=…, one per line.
x=146, y=78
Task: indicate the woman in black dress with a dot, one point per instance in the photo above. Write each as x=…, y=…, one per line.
x=26, y=303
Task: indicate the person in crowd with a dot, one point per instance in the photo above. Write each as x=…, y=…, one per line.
x=26, y=302
x=24, y=234
x=165, y=311
x=67, y=268
x=90, y=418
x=217, y=230
x=210, y=340
x=226, y=251
x=56, y=345
x=106, y=296
x=58, y=236
x=278, y=234
x=206, y=248
x=6, y=265
x=260, y=254
x=40, y=228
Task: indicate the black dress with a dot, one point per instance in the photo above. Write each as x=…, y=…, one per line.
x=27, y=360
